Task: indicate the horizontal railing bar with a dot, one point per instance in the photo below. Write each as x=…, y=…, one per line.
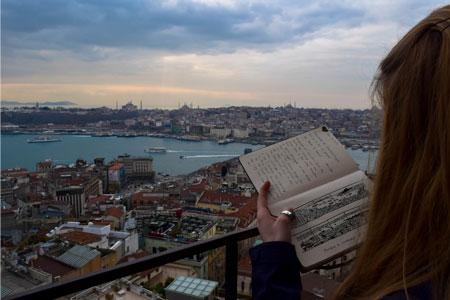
x=85, y=281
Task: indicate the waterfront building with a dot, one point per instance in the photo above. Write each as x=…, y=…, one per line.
x=219, y=132
x=44, y=166
x=198, y=130
x=16, y=172
x=136, y=166
x=240, y=133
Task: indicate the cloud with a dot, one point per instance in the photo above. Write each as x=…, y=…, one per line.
x=319, y=53
x=199, y=26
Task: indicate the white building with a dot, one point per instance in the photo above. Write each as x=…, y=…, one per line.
x=219, y=132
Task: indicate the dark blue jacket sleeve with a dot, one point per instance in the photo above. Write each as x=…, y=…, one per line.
x=275, y=271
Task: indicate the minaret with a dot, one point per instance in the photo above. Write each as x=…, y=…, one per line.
x=141, y=104
x=117, y=105
x=37, y=105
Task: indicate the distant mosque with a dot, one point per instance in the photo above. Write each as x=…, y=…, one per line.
x=130, y=106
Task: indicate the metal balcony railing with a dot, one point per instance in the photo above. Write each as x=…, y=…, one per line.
x=229, y=240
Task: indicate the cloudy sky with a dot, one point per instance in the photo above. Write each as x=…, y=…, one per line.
x=209, y=53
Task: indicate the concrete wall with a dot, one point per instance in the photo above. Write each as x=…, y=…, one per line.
x=40, y=275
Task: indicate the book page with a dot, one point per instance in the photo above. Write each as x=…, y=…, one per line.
x=329, y=220
x=298, y=164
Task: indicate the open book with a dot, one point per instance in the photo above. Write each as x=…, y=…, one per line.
x=314, y=174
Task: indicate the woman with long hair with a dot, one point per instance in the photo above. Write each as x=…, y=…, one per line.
x=406, y=251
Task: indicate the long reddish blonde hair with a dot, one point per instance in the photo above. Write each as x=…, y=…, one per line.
x=408, y=237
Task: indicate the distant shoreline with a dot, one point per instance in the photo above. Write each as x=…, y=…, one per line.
x=47, y=103
x=252, y=141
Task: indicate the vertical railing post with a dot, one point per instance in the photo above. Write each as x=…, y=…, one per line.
x=231, y=269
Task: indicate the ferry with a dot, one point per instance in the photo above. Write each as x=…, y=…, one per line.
x=225, y=141
x=155, y=150
x=43, y=139
x=101, y=134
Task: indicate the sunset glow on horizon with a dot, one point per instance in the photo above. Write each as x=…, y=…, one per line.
x=209, y=53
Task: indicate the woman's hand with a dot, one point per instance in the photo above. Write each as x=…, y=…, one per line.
x=270, y=228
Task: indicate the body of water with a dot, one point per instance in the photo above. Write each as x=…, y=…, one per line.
x=16, y=152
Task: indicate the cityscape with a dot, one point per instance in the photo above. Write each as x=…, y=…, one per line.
x=60, y=221
x=254, y=125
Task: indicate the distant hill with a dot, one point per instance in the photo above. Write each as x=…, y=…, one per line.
x=56, y=103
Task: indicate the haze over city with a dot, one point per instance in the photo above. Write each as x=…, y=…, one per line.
x=209, y=53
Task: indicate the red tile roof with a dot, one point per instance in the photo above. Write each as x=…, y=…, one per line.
x=42, y=232
x=213, y=197
x=100, y=199
x=133, y=256
x=116, y=166
x=246, y=214
x=81, y=237
x=17, y=175
x=52, y=266
x=11, y=210
x=12, y=171
x=245, y=266
x=148, y=198
x=198, y=188
x=45, y=164
x=114, y=211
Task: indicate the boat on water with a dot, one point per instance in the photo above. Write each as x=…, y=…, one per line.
x=43, y=139
x=155, y=150
x=101, y=134
x=225, y=141
x=181, y=156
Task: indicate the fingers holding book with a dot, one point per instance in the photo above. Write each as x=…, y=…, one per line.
x=270, y=228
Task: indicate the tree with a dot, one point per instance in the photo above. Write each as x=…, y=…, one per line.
x=114, y=187
x=159, y=288
x=168, y=281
